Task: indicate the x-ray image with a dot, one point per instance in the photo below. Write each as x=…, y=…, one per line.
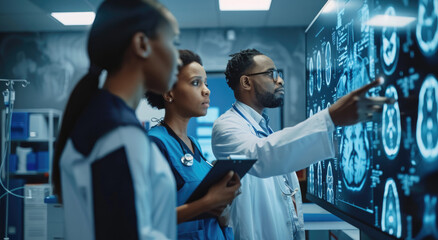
x=355, y=152
x=427, y=122
x=429, y=228
x=311, y=78
x=318, y=71
x=311, y=179
x=329, y=181
x=319, y=179
x=390, y=45
x=427, y=26
x=328, y=63
x=391, y=216
x=391, y=125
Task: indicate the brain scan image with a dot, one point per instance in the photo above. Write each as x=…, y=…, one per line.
x=329, y=181
x=427, y=121
x=354, y=150
x=390, y=45
x=319, y=172
x=391, y=216
x=427, y=26
x=311, y=179
x=391, y=125
x=354, y=76
x=429, y=229
x=381, y=174
x=311, y=86
x=318, y=71
x=328, y=63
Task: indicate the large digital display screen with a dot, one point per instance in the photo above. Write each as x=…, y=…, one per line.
x=384, y=178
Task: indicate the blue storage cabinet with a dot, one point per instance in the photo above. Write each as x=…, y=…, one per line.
x=20, y=126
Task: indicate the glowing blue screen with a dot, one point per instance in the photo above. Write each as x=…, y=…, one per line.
x=385, y=173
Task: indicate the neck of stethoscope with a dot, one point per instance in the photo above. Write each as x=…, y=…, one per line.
x=254, y=128
x=180, y=141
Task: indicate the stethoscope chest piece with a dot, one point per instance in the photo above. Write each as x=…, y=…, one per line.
x=187, y=160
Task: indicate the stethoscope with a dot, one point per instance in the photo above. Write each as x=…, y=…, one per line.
x=290, y=191
x=187, y=158
x=258, y=133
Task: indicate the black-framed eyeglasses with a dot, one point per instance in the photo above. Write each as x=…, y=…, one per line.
x=273, y=73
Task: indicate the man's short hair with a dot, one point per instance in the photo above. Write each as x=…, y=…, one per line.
x=238, y=64
x=187, y=57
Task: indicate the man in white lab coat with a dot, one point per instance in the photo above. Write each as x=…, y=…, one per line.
x=270, y=205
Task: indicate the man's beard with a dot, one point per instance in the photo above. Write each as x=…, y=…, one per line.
x=267, y=99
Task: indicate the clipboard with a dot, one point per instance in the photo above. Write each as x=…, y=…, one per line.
x=219, y=170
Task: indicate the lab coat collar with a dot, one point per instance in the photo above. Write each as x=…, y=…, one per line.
x=253, y=116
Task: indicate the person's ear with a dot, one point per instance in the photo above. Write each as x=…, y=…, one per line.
x=168, y=96
x=141, y=45
x=245, y=83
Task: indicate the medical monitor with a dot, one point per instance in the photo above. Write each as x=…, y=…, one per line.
x=384, y=177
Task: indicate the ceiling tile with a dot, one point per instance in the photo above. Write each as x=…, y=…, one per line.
x=64, y=5
x=194, y=13
x=18, y=6
x=33, y=15
x=293, y=13
x=243, y=19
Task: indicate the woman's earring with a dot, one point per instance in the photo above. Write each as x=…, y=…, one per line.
x=170, y=100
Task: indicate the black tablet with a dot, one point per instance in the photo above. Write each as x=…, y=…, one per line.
x=219, y=170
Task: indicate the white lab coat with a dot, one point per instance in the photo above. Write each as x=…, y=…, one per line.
x=262, y=211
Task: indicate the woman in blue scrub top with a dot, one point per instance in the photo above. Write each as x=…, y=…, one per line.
x=189, y=98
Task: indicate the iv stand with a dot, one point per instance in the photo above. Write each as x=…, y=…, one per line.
x=9, y=99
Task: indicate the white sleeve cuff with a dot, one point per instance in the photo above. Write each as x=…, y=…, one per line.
x=328, y=120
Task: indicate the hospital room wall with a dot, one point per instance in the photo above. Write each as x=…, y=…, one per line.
x=53, y=62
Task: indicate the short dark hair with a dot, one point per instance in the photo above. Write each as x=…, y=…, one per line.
x=187, y=57
x=238, y=64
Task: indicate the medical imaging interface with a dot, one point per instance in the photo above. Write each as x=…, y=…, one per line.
x=385, y=172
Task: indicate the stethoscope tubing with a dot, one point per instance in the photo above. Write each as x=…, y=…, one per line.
x=263, y=134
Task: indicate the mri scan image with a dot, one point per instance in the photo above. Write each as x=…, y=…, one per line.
x=427, y=26
x=429, y=228
x=354, y=76
x=329, y=181
x=328, y=63
x=391, y=125
x=427, y=122
x=311, y=78
x=318, y=71
x=311, y=179
x=355, y=156
x=319, y=179
x=391, y=216
x=396, y=151
x=390, y=45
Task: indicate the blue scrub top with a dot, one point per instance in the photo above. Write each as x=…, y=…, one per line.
x=188, y=178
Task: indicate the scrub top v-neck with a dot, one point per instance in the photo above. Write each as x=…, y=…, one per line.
x=188, y=178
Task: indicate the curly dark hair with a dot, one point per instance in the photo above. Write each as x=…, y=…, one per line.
x=187, y=57
x=238, y=64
